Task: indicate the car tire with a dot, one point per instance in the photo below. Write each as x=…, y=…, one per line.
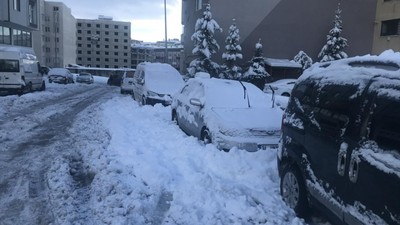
x=206, y=136
x=293, y=191
x=144, y=100
x=43, y=87
x=286, y=94
x=175, y=118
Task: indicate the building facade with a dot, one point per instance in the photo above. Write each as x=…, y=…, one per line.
x=387, y=26
x=18, y=20
x=58, y=35
x=155, y=52
x=284, y=26
x=103, y=43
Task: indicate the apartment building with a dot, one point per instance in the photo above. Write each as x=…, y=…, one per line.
x=58, y=35
x=284, y=26
x=155, y=52
x=18, y=20
x=103, y=43
x=387, y=26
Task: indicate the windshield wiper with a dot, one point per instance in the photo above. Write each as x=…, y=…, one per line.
x=245, y=93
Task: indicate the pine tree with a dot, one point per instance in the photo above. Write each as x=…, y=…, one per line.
x=256, y=73
x=333, y=49
x=230, y=70
x=205, y=45
x=303, y=59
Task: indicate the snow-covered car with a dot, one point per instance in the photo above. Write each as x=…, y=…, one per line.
x=340, y=150
x=60, y=75
x=280, y=87
x=227, y=113
x=156, y=83
x=127, y=82
x=85, y=78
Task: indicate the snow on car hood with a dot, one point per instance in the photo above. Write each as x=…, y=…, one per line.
x=249, y=118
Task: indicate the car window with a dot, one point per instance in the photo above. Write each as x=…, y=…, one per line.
x=129, y=74
x=8, y=65
x=385, y=124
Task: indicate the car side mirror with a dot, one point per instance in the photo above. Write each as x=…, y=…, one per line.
x=196, y=102
x=141, y=82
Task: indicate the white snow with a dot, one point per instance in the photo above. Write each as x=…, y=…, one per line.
x=147, y=171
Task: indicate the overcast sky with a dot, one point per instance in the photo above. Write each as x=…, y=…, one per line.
x=146, y=16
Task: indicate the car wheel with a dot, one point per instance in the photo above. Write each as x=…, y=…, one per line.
x=50, y=81
x=286, y=94
x=206, y=136
x=144, y=101
x=43, y=87
x=175, y=118
x=293, y=191
x=122, y=92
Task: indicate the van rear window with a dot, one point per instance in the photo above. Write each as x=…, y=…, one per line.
x=8, y=65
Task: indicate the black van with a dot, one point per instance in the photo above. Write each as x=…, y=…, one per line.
x=340, y=148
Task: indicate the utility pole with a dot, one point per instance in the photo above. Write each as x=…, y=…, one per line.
x=166, y=36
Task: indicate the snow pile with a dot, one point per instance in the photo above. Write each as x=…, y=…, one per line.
x=147, y=171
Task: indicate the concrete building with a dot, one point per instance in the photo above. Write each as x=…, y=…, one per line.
x=155, y=52
x=284, y=26
x=103, y=43
x=58, y=35
x=18, y=20
x=387, y=26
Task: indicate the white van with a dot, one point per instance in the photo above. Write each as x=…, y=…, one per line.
x=156, y=83
x=127, y=81
x=19, y=70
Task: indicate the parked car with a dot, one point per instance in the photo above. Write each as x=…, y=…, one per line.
x=280, y=87
x=115, y=79
x=340, y=150
x=84, y=77
x=60, y=75
x=127, y=82
x=227, y=113
x=156, y=83
x=19, y=70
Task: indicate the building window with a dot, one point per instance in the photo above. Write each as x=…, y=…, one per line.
x=390, y=27
x=89, y=45
x=79, y=45
x=79, y=51
x=106, y=53
x=116, y=33
x=199, y=4
x=89, y=25
x=98, y=25
x=32, y=13
x=97, y=32
x=107, y=33
x=126, y=27
x=89, y=32
x=89, y=52
x=126, y=34
x=116, y=60
x=106, y=39
x=116, y=26
x=115, y=46
x=79, y=24
x=106, y=59
x=5, y=35
x=115, y=40
x=17, y=5
x=106, y=26
x=106, y=46
x=79, y=38
x=79, y=31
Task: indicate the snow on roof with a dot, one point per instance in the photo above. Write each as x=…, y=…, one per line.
x=281, y=63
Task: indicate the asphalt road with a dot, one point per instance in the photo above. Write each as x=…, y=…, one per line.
x=30, y=139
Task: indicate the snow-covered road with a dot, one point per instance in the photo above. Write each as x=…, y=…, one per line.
x=84, y=154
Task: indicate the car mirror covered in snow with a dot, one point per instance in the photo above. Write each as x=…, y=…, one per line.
x=196, y=102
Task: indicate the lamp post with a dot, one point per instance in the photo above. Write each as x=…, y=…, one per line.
x=166, y=37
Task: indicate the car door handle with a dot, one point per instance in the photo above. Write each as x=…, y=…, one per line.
x=341, y=166
x=353, y=169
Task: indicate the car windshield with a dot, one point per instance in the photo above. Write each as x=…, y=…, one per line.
x=163, y=80
x=8, y=65
x=231, y=94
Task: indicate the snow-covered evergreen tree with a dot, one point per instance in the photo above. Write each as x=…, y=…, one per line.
x=230, y=70
x=303, y=59
x=256, y=72
x=205, y=45
x=333, y=49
